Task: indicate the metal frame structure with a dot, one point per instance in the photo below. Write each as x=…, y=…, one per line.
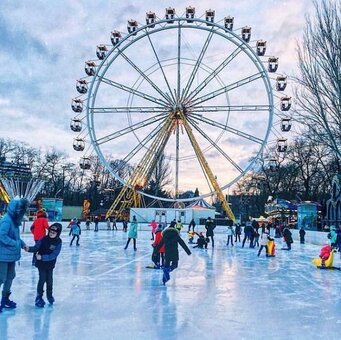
x=181, y=105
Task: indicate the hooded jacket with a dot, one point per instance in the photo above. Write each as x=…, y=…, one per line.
x=39, y=226
x=10, y=242
x=171, y=238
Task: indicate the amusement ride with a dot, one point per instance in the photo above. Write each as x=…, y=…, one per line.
x=196, y=91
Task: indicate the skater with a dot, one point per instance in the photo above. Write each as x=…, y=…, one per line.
x=132, y=233
x=161, y=253
x=238, y=232
x=171, y=238
x=114, y=226
x=96, y=223
x=125, y=225
x=256, y=237
x=302, y=235
x=264, y=238
x=230, y=234
x=191, y=224
x=191, y=236
x=247, y=234
x=47, y=250
x=75, y=231
x=287, y=238
x=10, y=247
x=179, y=226
x=39, y=228
x=109, y=224
x=88, y=223
x=209, y=226
x=201, y=241
x=153, y=226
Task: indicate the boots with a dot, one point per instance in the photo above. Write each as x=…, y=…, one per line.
x=7, y=303
x=50, y=299
x=166, y=276
x=40, y=301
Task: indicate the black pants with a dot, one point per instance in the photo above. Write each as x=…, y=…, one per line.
x=77, y=242
x=229, y=237
x=45, y=276
x=212, y=240
x=134, y=240
x=171, y=264
x=260, y=249
x=237, y=237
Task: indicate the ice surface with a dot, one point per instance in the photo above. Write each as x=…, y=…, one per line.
x=105, y=292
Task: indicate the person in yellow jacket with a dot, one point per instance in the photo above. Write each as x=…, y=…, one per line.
x=179, y=226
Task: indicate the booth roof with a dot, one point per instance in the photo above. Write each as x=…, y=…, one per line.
x=200, y=204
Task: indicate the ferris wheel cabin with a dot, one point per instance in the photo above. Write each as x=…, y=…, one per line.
x=115, y=37
x=228, y=23
x=285, y=103
x=150, y=19
x=82, y=86
x=85, y=163
x=272, y=64
x=209, y=16
x=246, y=33
x=132, y=26
x=78, y=144
x=170, y=13
x=101, y=51
x=286, y=124
x=281, y=83
x=77, y=105
x=282, y=145
x=190, y=12
x=90, y=68
x=76, y=125
x=261, y=47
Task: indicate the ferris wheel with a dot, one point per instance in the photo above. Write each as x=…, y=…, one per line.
x=193, y=90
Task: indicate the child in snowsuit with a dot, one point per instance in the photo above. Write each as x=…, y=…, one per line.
x=75, y=231
x=171, y=238
x=264, y=238
x=201, y=241
x=324, y=254
x=47, y=249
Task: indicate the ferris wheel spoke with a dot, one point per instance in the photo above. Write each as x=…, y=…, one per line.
x=197, y=64
x=216, y=146
x=129, y=129
x=142, y=144
x=229, y=108
x=135, y=92
x=160, y=66
x=130, y=62
x=130, y=109
x=214, y=73
x=227, y=128
x=179, y=65
x=227, y=88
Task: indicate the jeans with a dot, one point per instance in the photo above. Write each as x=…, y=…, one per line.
x=7, y=275
x=45, y=276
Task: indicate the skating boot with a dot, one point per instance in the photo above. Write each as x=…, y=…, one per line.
x=50, y=299
x=40, y=301
x=166, y=276
x=7, y=303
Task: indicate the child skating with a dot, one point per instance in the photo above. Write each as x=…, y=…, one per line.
x=132, y=233
x=47, y=250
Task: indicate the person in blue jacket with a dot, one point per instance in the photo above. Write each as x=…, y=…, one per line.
x=10, y=247
x=47, y=249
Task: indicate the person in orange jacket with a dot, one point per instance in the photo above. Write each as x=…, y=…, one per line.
x=39, y=228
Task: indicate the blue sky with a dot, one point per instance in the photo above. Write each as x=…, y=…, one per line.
x=44, y=45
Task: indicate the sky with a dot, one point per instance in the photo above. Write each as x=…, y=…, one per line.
x=44, y=45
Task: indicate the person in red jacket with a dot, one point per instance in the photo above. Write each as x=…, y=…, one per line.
x=161, y=253
x=39, y=228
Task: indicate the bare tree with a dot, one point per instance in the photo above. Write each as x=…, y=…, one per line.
x=319, y=84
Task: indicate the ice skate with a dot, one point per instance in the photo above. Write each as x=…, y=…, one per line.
x=39, y=302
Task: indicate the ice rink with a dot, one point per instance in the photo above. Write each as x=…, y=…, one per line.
x=105, y=292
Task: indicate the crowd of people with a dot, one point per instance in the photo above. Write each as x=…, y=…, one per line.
x=165, y=241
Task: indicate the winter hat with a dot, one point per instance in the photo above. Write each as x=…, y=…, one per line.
x=56, y=226
x=159, y=228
